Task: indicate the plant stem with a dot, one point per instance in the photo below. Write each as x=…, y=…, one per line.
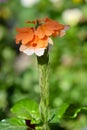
x=43, y=62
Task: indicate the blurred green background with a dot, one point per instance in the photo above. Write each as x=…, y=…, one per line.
x=68, y=56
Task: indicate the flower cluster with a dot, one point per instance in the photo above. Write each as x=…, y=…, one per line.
x=36, y=39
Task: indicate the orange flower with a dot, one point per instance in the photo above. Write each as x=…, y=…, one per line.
x=36, y=46
x=50, y=27
x=36, y=39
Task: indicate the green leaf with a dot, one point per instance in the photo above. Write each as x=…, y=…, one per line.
x=56, y=114
x=65, y=111
x=13, y=124
x=73, y=110
x=27, y=109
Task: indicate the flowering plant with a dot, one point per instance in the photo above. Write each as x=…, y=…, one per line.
x=30, y=115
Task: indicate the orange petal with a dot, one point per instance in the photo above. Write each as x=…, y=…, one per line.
x=56, y=33
x=53, y=24
x=42, y=43
x=22, y=30
x=40, y=31
x=37, y=43
x=33, y=42
x=43, y=31
x=48, y=31
x=25, y=35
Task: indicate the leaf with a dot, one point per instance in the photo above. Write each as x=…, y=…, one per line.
x=73, y=110
x=13, y=124
x=56, y=114
x=65, y=111
x=27, y=109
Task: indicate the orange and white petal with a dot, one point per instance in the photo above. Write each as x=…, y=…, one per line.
x=66, y=27
x=22, y=48
x=62, y=33
x=39, y=52
x=50, y=41
x=28, y=51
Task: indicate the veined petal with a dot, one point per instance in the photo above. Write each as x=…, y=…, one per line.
x=29, y=51
x=39, y=52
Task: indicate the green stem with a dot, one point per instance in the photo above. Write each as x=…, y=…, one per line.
x=43, y=62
